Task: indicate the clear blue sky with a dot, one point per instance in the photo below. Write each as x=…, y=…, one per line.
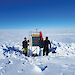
x=23, y=14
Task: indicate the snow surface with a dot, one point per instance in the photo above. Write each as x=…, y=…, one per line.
x=13, y=62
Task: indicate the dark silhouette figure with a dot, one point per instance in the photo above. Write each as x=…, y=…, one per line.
x=25, y=46
x=46, y=45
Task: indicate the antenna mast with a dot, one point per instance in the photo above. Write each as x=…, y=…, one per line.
x=36, y=29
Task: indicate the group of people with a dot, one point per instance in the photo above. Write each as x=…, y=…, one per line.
x=46, y=46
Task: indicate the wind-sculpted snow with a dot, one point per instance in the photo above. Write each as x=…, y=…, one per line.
x=64, y=49
x=13, y=62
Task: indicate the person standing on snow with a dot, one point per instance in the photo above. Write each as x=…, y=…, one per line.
x=47, y=46
x=25, y=46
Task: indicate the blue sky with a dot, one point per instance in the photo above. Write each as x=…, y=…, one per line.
x=26, y=14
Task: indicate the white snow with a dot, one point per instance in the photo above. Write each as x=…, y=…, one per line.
x=14, y=63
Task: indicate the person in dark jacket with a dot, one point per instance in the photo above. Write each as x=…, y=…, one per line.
x=25, y=46
x=47, y=46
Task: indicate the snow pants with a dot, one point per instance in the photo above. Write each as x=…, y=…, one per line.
x=45, y=50
x=25, y=50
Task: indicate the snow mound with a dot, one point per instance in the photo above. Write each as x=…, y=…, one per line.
x=63, y=49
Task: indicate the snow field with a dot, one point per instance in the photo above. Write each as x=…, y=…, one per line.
x=61, y=63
